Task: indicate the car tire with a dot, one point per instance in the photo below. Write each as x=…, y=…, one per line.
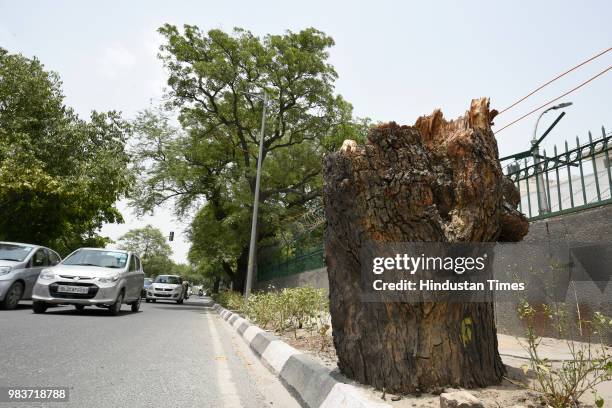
x=136, y=305
x=154, y=300
x=179, y=302
x=79, y=308
x=148, y=300
x=39, y=307
x=13, y=296
x=115, y=308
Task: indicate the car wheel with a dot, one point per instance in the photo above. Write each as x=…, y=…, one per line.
x=13, y=296
x=136, y=304
x=154, y=300
x=79, y=307
x=179, y=302
x=39, y=307
x=115, y=308
x=148, y=300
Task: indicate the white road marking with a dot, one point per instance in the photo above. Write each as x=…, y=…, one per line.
x=225, y=383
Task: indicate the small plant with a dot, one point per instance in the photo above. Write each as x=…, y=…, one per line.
x=290, y=308
x=261, y=308
x=563, y=385
x=230, y=300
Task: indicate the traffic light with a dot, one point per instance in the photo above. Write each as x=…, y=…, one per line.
x=171, y=237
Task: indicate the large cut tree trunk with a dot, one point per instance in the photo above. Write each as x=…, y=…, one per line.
x=437, y=181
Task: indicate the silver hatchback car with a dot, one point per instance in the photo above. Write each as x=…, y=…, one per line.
x=91, y=277
x=20, y=265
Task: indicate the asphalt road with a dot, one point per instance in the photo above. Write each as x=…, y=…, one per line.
x=166, y=355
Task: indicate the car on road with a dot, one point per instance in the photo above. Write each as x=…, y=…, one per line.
x=91, y=277
x=20, y=265
x=166, y=287
x=145, y=286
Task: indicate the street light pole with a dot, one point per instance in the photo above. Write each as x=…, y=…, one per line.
x=253, y=243
x=543, y=206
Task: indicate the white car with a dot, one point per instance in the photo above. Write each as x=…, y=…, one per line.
x=166, y=287
x=91, y=277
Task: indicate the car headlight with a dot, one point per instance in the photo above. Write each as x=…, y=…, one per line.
x=46, y=274
x=108, y=279
x=4, y=270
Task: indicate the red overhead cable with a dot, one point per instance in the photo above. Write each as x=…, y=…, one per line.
x=554, y=79
x=555, y=99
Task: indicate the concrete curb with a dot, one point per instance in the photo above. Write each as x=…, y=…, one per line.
x=309, y=381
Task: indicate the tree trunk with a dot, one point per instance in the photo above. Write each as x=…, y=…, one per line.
x=216, y=283
x=239, y=278
x=437, y=181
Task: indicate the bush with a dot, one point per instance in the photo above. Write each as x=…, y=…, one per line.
x=563, y=385
x=290, y=308
x=230, y=300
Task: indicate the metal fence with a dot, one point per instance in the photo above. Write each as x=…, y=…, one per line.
x=305, y=261
x=575, y=179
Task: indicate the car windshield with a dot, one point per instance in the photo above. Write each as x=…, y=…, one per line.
x=167, y=279
x=148, y=281
x=103, y=259
x=12, y=252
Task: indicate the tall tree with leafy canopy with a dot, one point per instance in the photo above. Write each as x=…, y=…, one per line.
x=213, y=81
x=60, y=176
x=150, y=244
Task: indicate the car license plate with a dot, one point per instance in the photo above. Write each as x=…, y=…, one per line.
x=73, y=289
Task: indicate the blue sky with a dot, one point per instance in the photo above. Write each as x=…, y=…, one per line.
x=395, y=60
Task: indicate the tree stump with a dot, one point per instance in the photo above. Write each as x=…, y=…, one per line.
x=436, y=181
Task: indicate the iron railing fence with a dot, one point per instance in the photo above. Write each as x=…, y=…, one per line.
x=305, y=261
x=575, y=179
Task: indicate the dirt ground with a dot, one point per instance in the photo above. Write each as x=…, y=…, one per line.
x=506, y=395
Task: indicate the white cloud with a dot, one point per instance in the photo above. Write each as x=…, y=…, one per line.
x=116, y=60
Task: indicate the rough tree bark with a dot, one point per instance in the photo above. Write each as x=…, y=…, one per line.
x=436, y=181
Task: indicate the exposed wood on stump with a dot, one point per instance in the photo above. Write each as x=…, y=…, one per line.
x=435, y=181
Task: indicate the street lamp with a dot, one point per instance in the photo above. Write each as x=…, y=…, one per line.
x=253, y=243
x=535, y=151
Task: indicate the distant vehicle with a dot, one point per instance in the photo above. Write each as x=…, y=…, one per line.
x=91, y=277
x=166, y=287
x=145, y=286
x=20, y=265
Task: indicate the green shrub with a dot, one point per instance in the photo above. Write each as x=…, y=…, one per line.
x=563, y=385
x=230, y=300
x=261, y=308
x=290, y=308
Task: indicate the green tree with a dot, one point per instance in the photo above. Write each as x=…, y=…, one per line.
x=210, y=161
x=60, y=176
x=150, y=243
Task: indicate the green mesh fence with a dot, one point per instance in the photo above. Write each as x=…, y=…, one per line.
x=312, y=259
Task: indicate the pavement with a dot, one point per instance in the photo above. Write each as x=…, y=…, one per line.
x=166, y=355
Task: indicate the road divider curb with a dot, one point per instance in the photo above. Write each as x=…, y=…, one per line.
x=313, y=384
